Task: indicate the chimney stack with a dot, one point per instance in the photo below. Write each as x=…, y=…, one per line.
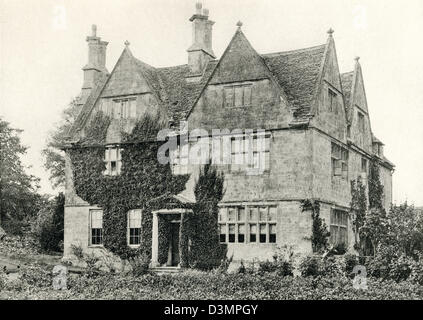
x=201, y=50
x=96, y=65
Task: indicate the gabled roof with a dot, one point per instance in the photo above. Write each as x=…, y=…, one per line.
x=295, y=72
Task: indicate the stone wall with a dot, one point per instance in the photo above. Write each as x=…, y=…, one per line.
x=266, y=111
x=293, y=229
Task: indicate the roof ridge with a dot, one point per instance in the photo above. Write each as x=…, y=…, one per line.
x=143, y=63
x=269, y=55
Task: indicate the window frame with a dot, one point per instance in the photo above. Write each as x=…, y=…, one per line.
x=108, y=160
x=179, y=159
x=339, y=161
x=124, y=108
x=134, y=245
x=240, y=151
x=229, y=95
x=332, y=96
x=334, y=223
x=247, y=222
x=361, y=122
x=90, y=234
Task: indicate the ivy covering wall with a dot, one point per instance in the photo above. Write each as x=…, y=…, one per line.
x=142, y=180
x=146, y=184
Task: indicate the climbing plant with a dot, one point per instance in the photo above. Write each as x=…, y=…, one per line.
x=375, y=186
x=206, y=251
x=141, y=182
x=358, y=210
x=320, y=233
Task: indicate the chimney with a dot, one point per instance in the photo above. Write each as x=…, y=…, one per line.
x=96, y=65
x=201, y=50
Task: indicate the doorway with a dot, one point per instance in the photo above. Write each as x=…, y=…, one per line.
x=174, y=244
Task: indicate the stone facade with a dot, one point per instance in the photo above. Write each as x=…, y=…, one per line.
x=299, y=97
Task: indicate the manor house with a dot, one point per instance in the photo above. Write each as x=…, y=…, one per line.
x=314, y=121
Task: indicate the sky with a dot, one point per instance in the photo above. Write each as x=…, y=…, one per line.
x=43, y=48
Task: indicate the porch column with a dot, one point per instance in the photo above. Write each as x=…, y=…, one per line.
x=155, y=241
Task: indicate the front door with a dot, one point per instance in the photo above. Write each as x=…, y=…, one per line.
x=174, y=233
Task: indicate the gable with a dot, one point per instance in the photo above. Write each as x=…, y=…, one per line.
x=125, y=78
x=331, y=69
x=359, y=94
x=240, y=62
x=361, y=132
x=329, y=107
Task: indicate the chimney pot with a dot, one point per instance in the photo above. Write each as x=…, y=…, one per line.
x=198, y=6
x=94, y=30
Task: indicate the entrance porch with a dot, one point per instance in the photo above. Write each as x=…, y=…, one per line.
x=166, y=237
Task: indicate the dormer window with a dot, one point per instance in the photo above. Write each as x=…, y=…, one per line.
x=237, y=95
x=113, y=161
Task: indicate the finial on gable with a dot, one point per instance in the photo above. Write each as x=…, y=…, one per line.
x=127, y=43
x=357, y=58
x=239, y=25
x=330, y=32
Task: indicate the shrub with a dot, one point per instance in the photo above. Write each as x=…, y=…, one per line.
x=91, y=261
x=401, y=268
x=139, y=264
x=2, y=280
x=224, y=264
x=36, y=276
x=417, y=272
x=285, y=268
x=350, y=261
x=280, y=265
x=15, y=227
x=340, y=248
x=241, y=268
x=310, y=266
x=330, y=266
x=77, y=251
x=267, y=266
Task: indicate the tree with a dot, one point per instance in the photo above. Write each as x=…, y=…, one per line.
x=18, y=190
x=48, y=228
x=54, y=160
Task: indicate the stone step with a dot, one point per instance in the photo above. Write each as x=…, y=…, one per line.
x=162, y=270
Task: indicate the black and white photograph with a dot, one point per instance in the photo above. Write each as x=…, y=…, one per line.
x=186, y=151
